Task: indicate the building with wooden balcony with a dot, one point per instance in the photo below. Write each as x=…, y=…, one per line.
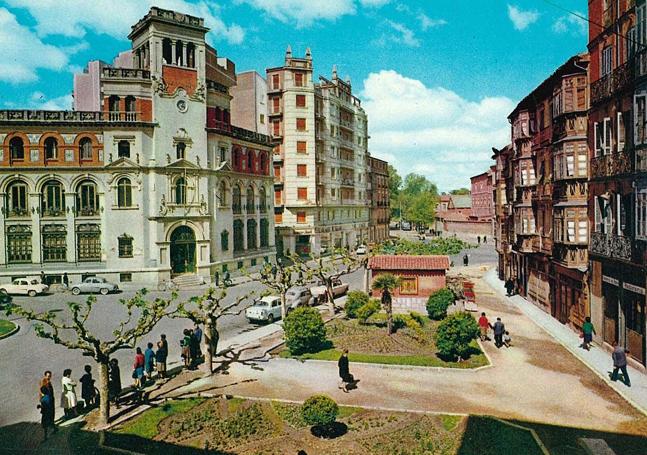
x=541, y=195
x=617, y=199
x=147, y=179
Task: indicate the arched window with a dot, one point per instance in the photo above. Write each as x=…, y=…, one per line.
x=236, y=203
x=167, y=51
x=87, y=198
x=180, y=149
x=190, y=55
x=250, y=200
x=222, y=194
x=263, y=163
x=179, y=50
x=85, y=146
x=124, y=193
x=52, y=199
x=113, y=107
x=262, y=200
x=251, y=235
x=265, y=233
x=237, y=158
x=123, y=149
x=16, y=149
x=180, y=191
x=17, y=204
x=51, y=148
x=250, y=160
x=239, y=238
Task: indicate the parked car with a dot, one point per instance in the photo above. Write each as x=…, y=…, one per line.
x=361, y=250
x=319, y=291
x=94, y=284
x=406, y=226
x=24, y=286
x=267, y=309
x=298, y=296
x=394, y=225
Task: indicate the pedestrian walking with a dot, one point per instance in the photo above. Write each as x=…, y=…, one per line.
x=149, y=360
x=587, y=333
x=66, y=280
x=88, y=393
x=46, y=406
x=344, y=373
x=466, y=260
x=185, y=344
x=619, y=357
x=216, y=278
x=499, y=330
x=484, y=326
x=114, y=382
x=509, y=287
x=160, y=360
x=138, y=368
x=164, y=351
x=46, y=381
x=42, y=277
x=478, y=239
x=197, y=335
x=485, y=239
x=68, y=394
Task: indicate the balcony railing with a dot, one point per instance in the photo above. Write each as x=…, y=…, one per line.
x=571, y=256
x=16, y=213
x=614, y=82
x=20, y=116
x=611, y=245
x=125, y=73
x=610, y=165
x=117, y=116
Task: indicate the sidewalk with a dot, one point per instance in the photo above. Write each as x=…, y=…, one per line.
x=597, y=359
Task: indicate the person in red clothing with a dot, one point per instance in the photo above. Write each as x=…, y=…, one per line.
x=484, y=325
x=138, y=368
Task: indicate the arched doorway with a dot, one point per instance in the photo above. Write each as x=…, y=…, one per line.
x=182, y=250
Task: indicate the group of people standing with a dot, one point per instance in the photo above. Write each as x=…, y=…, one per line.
x=190, y=344
x=501, y=335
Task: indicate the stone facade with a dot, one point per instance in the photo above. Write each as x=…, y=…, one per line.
x=146, y=187
x=378, y=195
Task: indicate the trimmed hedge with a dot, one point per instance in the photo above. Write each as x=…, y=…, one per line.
x=354, y=301
x=438, y=303
x=319, y=410
x=304, y=330
x=368, y=310
x=454, y=335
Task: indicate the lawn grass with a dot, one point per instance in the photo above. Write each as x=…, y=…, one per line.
x=488, y=436
x=6, y=326
x=146, y=424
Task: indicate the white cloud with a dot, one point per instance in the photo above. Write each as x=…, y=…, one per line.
x=433, y=130
x=404, y=35
x=305, y=12
x=39, y=100
x=522, y=19
x=573, y=24
x=374, y=3
x=23, y=53
x=426, y=22
x=74, y=18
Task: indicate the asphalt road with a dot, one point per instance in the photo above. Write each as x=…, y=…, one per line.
x=24, y=357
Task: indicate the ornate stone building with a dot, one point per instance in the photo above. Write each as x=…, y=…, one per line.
x=147, y=178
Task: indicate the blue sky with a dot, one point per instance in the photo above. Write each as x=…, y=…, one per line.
x=437, y=78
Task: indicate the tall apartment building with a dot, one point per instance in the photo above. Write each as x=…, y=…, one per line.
x=617, y=190
x=249, y=102
x=320, y=159
x=147, y=179
x=547, y=169
x=378, y=195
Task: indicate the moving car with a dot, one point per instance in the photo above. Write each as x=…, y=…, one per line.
x=267, y=309
x=361, y=250
x=298, y=296
x=94, y=284
x=24, y=286
x=319, y=291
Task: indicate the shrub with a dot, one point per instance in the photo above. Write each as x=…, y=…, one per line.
x=354, y=301
x=400, y=321
x=419, y=318
x=367, y=310
x=319, y=410
x=438, y=303
x=455, y=334
x=304, y=330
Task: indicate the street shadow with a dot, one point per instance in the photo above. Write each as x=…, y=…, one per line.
x=332, y=431
x=485, y=435
x=27, y=437
x=472, y=351
x=233, y=355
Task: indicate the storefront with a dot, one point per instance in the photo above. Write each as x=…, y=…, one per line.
x=569, y=298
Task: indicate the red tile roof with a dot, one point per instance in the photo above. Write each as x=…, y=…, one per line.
x=402, y=262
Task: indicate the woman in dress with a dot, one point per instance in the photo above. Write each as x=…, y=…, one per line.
x=138, y=368
x=68, y=394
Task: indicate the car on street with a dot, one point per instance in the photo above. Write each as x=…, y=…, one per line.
x=319, y=291
x=24, y=286
x=267, y=309
x=93, y=284
x=406, y=226
x=298, y=296
x=361, y=250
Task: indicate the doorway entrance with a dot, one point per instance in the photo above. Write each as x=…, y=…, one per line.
x=182, y=250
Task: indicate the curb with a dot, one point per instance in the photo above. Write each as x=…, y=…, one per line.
x=387, y=366
x=13, y=331
x=573, y=352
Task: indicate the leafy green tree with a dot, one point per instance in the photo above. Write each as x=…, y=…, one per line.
x=438, y=303
x=71, y=329
x=304, y=330
x=418, y=198
x=354, y=301
x=386, y=284
x=395, y=185
x=454, y=335
x=460, y=192
x=319, y=410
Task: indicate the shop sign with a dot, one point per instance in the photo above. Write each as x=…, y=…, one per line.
x=633, y=288
x=608, y=279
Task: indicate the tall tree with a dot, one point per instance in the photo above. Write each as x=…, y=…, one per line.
x=74, y=332
x=460, y=192
x=419, y=197
x=395, y=185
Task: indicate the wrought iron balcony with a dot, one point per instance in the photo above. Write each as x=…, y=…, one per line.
x=125, y=73
x=614, y=82
x=611, y=245
x=611, y=165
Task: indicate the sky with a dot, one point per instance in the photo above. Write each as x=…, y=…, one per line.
x=437, y=78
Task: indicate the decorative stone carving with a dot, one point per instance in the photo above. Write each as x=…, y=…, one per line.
x=101, y=155
x=203, y=206
x=69, y=155
x=34, y=155
x=34, y=138
x=163, y=207
x=68, y=138
x=200, y=92
x=159, y=85
x=100, y=138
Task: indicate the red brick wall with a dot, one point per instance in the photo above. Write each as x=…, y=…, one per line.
x=62, y=146
x=175, y=77
x=428, y=281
